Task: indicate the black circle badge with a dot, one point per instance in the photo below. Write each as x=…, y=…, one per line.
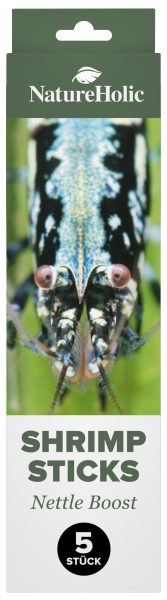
x=83, y=549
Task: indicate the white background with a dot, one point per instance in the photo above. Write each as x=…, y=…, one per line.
x=32, y=535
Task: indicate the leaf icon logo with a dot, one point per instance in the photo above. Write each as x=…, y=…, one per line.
x=87, y=75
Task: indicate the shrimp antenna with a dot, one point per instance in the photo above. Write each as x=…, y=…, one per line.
x=107, y=384
x=149, y=334
x=58, y=389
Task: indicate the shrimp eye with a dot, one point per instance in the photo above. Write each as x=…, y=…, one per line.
x=44, y=277
x=120, y=275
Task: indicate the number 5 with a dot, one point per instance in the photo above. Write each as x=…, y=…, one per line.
x=81, y=539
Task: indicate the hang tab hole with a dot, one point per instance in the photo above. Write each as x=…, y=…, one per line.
x=83, y=32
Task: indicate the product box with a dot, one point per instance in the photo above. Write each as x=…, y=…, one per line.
x=83, y=217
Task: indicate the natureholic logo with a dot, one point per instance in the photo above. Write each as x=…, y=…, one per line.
x=87, y=75
x=101, y=93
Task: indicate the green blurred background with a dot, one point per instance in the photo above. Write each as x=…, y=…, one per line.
x=31, y=384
